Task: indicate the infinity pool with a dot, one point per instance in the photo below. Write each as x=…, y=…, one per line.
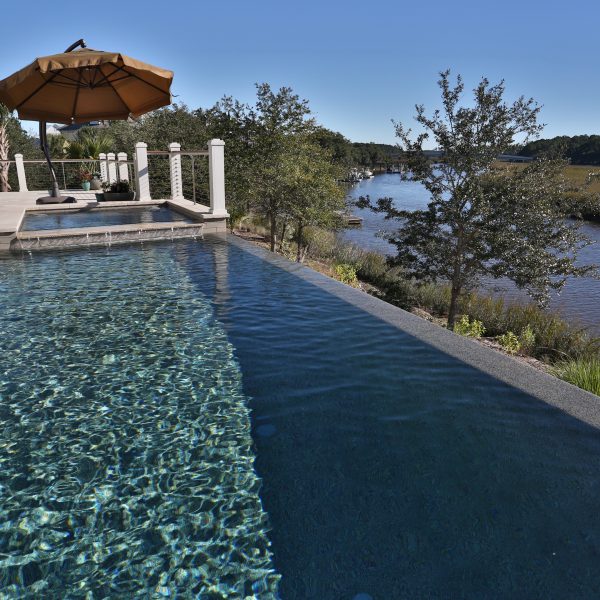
x=94, y=217
x=188, y=420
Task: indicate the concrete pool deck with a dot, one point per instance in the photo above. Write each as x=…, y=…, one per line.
x=572, y=400
x=15, y=205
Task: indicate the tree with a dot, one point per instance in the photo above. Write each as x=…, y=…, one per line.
x=336, y=143
x=276, y=118
x=313, y=198
x=57, y=145
x=22, y=142
x=481, y=221
x=258, y=140
x=580, y=149
x=13, y=140
x=89, y=144
x=5, y=116
x=232, y=121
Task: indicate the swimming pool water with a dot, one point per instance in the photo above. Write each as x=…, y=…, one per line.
x=95, y=217
x=126, y=467
x=386, y=467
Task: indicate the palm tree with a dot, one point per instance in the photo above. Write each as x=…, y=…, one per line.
x=89, y=144
x=57, y=145
x=5, y=116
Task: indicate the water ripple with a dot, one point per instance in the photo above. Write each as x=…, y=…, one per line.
x=126, y=467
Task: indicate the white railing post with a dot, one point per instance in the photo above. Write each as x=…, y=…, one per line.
x=112, y=167
x=216, y=176
x=123, y=171
x=103, y=167
x=142, y=178
x=20, y=165
x=175, y=166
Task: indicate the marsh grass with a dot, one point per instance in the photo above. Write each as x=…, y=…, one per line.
x=583, y=195
x=584, y=373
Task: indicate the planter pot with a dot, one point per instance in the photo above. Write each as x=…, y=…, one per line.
x=85, y=185
x=95, y=184
x=112, y=196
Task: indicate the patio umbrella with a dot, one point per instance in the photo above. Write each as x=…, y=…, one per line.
x=81, y=85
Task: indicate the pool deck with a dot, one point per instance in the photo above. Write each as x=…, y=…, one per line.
x=14, y=205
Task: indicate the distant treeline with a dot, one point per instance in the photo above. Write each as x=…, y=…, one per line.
x=365, y=154
x=579, y=149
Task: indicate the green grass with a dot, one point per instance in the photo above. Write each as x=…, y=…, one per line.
x=584, y=195
x=584, y=373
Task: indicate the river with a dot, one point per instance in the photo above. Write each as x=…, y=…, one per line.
x=578, y=302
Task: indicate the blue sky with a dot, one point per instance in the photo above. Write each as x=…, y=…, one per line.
x=359, y=64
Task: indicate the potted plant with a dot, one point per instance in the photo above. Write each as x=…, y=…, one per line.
x=96, y=184
x=85, y=176
x=118, y=190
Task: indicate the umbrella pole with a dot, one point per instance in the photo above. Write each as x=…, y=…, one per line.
x=44, y=143
x=54, y=197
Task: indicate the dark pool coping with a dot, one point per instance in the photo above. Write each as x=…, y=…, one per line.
x=568, y=398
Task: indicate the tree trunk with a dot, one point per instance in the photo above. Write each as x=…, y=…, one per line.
x=282, y=240
x=454, y=293
x=273, y=231
x=4, y=150
x=299, y=230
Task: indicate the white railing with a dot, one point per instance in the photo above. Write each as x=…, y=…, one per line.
x=184, y=176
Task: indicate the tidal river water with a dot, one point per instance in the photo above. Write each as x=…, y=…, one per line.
x=578, y=302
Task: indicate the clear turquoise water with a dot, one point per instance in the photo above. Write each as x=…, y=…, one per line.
x=95, y=217
x=126, y=467
x=377, y=464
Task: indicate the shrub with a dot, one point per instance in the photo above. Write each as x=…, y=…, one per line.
x=544, y=334
x=434, y=297
x=117, y=187
x=510, y=342
x=527, y=339
x=490, y=311
x=320, y=242
x=371, y=266
x=346, y=274
x=584, y=373
x=474, y=329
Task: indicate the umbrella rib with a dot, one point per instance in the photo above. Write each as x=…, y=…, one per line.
x=118, y=95
x=46, y=82
x=93, y=80
x=142, y=80
x=68, y=78
x=74, y=111
x=105, y=77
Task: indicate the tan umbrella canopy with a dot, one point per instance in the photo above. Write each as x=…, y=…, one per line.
x=81, y=85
